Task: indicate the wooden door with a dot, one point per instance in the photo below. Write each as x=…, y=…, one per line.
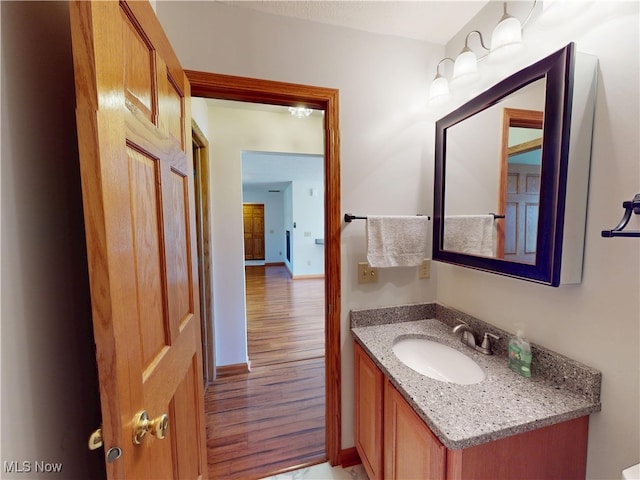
x=519, y=195
x=253, y=217
x=411, y=450
x=521, y=213
x=133, y=119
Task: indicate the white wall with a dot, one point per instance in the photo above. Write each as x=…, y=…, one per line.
x=387, y=168
x=598, y=321
x=288, y=224
x=50, y=400
x=308, y=216
x=200, y=113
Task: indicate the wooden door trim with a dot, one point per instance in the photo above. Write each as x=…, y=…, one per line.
x=200, y=142
x=229, y=87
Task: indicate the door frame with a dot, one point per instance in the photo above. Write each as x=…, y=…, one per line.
x=200, y=147
x=243, y=89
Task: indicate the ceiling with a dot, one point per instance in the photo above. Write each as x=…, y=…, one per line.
x=426, y=20
x=275, y=171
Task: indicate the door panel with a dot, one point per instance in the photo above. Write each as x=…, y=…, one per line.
x=521, y=209
x=178, y=249
x=146, y=214
x=186, y=422
x=132, y=115
x=138, y=66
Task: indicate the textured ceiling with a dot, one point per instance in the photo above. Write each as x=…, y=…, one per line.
x=427, y=20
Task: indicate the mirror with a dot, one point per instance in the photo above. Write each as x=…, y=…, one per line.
x=502, y=162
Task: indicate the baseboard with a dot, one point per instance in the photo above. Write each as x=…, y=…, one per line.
x=349, y=457
x=235, y=369
x=305, y=277
x=274, y=264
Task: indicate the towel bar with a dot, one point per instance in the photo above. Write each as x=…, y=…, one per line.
x=349, y=216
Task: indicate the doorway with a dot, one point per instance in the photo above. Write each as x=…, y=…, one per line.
x=226, y=87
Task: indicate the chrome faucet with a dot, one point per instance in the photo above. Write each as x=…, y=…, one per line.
x=469, y=339
x=467, y=334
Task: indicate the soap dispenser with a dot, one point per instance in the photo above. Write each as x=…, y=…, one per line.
x=520, y=355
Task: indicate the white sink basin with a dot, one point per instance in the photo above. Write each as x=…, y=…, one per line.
x=438, y=361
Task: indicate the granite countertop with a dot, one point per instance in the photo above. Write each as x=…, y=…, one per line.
x=503, y=404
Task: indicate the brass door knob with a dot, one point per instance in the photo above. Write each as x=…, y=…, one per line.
x=142, y=425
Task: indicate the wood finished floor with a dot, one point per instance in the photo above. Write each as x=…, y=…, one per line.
x=272, y=418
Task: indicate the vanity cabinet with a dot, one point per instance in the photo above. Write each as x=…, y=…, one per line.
x=369, y=384
x=411, y=451
x=385, y=422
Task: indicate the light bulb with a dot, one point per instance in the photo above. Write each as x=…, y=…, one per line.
x=506, y=39
x=300, y=112
x=465, y=70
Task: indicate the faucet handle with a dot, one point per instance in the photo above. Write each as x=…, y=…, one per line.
x=486, y=343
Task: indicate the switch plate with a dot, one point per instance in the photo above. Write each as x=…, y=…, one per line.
x=366, y=273
x=424, y=269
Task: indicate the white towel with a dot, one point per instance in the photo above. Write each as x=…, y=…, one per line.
x=396, y=241
x=470, y=234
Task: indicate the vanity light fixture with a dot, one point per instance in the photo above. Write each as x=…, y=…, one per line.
x=439, y=91
x=506, y=40
x=300, y=112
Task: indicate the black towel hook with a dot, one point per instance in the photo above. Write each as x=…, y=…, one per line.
x=632, y=206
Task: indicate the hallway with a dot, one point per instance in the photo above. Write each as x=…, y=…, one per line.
x=273, y=418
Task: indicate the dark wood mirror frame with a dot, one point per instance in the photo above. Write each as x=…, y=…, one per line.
x=558, y=69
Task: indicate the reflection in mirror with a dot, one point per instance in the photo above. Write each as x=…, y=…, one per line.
x=492, y=172
x=512, y=172
x=519, y=198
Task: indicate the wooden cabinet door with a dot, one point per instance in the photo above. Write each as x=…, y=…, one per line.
x=411, y=451
x=369, y=385
x=134, y=123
